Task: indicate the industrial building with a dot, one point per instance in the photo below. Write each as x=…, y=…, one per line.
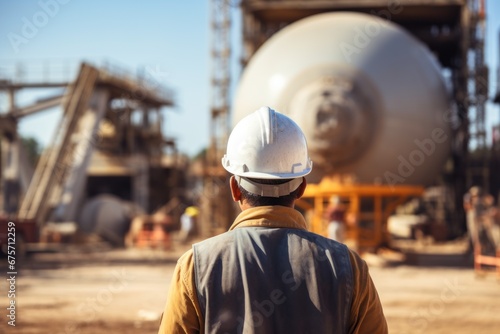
x=315, y=57
x=109, y=141
x=390, y=94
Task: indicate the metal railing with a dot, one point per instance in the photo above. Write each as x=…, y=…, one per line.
x=39, y=71
x=57, y=71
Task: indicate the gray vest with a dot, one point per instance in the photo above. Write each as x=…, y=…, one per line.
x=273, y=280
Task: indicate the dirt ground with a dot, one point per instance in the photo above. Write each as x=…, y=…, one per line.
x=430, y=289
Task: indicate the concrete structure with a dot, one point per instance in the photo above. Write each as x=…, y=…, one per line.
x=109, y=140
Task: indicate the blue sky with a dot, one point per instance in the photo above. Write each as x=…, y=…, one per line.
x=170, y=39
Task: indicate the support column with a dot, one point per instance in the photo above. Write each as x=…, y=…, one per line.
x=10, y=175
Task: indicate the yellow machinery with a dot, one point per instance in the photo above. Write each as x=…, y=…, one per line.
x=368, y=207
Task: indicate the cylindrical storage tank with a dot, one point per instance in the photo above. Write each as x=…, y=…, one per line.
x=370, y=98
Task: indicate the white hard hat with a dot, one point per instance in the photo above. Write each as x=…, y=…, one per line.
x=267, y=145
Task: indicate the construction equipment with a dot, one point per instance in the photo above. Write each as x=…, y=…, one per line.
x=109, y=140
x=364, y=113
x=372, y=98
x=53, y=166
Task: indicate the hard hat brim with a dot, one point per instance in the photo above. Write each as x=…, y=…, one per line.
x=271, y=176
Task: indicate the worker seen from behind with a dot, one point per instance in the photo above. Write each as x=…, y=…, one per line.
x=268, y=274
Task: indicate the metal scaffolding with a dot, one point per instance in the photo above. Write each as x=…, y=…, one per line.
x=478, y=167
x=216, y=201
x=495, y=145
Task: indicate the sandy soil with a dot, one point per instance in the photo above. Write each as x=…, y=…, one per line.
x=433, y=291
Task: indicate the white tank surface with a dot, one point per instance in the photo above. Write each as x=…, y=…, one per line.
x=370, y=98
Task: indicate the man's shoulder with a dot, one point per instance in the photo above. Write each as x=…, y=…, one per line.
x=229, y=236
x=185, y=259
x=216, y=238
x=321, y=240
x=213, y=243
x=214, y=246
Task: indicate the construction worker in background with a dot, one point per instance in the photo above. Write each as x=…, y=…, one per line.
x=268, y=274
x=335, y=214
x=188, y=223
x=471, y=204
x=482, y=221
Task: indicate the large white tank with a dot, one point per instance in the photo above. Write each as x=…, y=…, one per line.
x=370, y=98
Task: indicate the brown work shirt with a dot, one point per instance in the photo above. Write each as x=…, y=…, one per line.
x=182, y=312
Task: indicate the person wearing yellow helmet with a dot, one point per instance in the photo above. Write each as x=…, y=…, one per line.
x=268, y=274
x=192, y=211
x=188, y=223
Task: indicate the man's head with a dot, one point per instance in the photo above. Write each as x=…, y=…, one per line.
x=267, y=155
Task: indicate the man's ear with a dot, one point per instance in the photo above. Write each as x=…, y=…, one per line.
x=235, y=190
x=302, y=188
